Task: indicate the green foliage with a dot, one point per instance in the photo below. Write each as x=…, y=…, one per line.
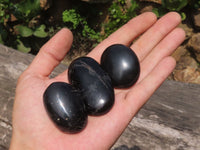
x=22, y=35
x=21, y=47
x=25, y=31
x=5, y=6
x=91, y=33
x=71, y=16
x=176, y=5
x=82, y=18
x=195, y=3
x=40, y=32
x=26, y=9
x=119, y=15
x=159, y=11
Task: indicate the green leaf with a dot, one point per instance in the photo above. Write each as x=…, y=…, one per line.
x=156, y=12
x=2, y=13
x=27, y=9
x=183, y=16
x=71, y=16
x=40, y=32
x=24, y=31
x=21, y=47
x=159, y=11
x=174, y=5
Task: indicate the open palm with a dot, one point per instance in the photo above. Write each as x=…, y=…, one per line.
x=33, y=129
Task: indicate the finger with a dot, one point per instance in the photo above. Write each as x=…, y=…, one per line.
x=128, y=105
x=140, y=93
x=126, y=34
x=51, y=53
x=165, y=48
x=155, y=34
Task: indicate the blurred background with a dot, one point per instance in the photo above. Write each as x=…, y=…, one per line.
x=26, y=25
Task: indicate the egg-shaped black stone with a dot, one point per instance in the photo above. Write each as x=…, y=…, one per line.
x=65, y=107
x=122, y=65
x=94, y=83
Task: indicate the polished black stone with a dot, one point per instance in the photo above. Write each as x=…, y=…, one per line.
x=94, y=83
x=122, y=65
x=65, y=107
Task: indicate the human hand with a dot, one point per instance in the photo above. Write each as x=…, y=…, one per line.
x=33, y=129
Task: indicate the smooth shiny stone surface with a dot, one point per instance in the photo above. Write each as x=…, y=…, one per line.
x=94, y=83
x=122, y=65
x=65, y=107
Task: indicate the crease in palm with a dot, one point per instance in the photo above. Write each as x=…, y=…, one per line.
x=158, y=39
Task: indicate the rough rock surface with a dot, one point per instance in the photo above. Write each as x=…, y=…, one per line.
x=169, y=120
x=188, y=57
x=197, y=19
x=187, y=68
x=12, y=64
x=45, y=4
x=179, y=53
x=188, y=54
x=188, y=30
x=194, y=44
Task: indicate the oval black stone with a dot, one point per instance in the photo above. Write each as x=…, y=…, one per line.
x=122, y=65
x=65, y=107
x=94, y=83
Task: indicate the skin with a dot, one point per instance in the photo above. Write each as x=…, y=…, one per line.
x=33, y=129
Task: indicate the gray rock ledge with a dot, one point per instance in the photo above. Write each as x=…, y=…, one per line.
x=169, y=120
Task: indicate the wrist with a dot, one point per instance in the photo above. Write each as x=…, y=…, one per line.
x=20, y=143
